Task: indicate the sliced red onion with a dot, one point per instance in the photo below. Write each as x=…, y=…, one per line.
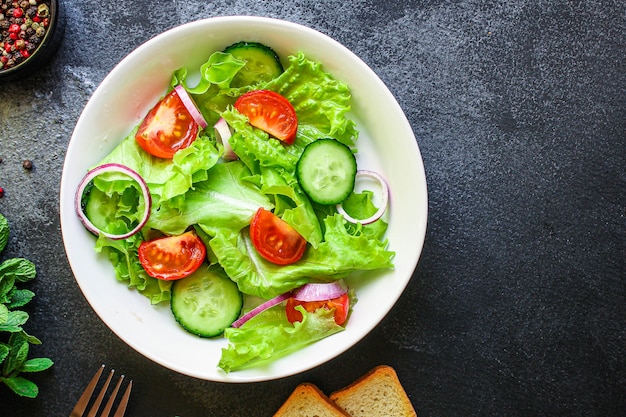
x=320, y=291
x=112, y=168
x=261, y=308
x=383, y=203
x=223, y=133
x=191, y=106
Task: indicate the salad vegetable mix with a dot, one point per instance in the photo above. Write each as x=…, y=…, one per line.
x=235, y=201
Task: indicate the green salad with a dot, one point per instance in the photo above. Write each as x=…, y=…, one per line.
x=234, y=201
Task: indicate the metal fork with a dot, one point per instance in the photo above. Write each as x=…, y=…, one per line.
x=83, y=401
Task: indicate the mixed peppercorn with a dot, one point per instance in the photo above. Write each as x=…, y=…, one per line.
x=23, y=25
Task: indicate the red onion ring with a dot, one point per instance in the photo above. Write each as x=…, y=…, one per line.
x=223, y=134
x=190, y=105
x=112, y=168
x=320, y=291
x=260, y=308
x=383, y=204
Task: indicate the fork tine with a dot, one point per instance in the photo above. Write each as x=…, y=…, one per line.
x=121, y=409
x=83, y=401
x=109, y=404
x=96, y=405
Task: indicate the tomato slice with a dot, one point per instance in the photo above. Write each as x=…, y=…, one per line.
x=172, y=257
x=274, y=239
x=167, y=128
x=270, y=112
x=341, y=305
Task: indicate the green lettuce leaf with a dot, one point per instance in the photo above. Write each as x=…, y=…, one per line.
x=165, y=178
x=339, y=254
x=270, y=336
x=224, y=201
x=128, y=269
x=322, y=102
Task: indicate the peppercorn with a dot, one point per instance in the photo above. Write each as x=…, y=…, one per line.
x=27, y=164
x=1, y=192
x=43, y=10
x=19, y=33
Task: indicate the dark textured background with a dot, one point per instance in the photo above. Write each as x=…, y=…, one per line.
x=517, y=307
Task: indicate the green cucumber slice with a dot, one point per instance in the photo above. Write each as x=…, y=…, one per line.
x=262, y=63
x=326, y=171
x=206, y=302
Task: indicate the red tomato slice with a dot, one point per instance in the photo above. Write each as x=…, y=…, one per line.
x=274, y=239
x=172, y=257
x=167, y=128
x=341, y=305
x=270, y=112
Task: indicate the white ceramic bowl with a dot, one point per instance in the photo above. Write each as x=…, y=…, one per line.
x=386, y=144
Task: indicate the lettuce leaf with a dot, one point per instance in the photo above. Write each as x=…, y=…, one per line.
x=165, y=178
x=321, y=101
x=340, y=253
x=224, y=201
x=270, y=336
x=128, y=269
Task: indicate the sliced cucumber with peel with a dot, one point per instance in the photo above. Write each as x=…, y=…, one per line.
x=206, y=302
x=326, y=171
x=262, y=63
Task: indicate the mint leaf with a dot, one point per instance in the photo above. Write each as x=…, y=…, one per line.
x=4, y=232
x=21, y=269
x=21, y=386
x=19, y=298
x=36, y=365
x=14, y=353
x=17, y=355
x=7, y=283
x=4, y=351
x=14, y=321
x=30, y=339
x=4, y=314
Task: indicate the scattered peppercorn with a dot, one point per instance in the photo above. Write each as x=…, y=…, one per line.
x=23, y=25
x=27, y=164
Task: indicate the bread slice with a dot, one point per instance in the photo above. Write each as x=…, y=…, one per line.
x=308, y=401
x=378, y=393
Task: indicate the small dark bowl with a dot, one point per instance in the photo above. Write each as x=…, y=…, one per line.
x=45, y=50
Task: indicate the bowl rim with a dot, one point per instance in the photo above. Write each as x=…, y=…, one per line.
x=66, y=190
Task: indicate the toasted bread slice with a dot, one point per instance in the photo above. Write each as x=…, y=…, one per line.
x=378, y=393
x=308, y=401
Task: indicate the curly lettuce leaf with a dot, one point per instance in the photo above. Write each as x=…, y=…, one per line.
x=322, y=102
x=224, y=201
x=165, y=178
x=128, y=269
x=270, y=336
x=343, y=251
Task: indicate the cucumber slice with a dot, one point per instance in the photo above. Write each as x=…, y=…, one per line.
x=262, y=63
x=326, y=171
x=99, y=208
x=206, y=302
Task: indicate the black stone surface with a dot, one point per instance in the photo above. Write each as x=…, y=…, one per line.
x=517, y=307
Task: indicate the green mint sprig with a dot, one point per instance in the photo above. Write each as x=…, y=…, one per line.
x=14, y=341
